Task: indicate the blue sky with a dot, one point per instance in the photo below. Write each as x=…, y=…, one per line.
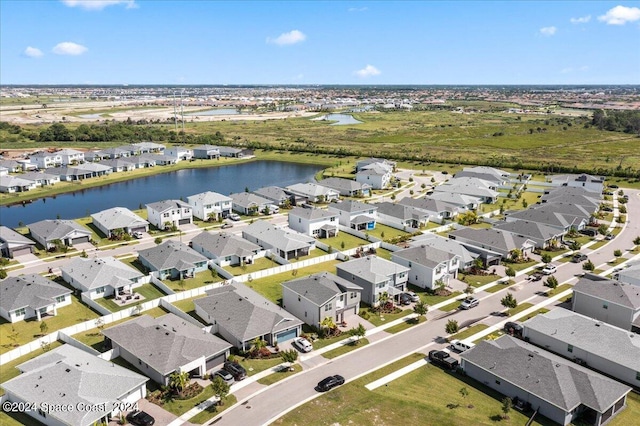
x=332, y=42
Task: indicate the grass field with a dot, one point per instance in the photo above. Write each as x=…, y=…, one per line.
x=346, y=348
x=468, y=332
x=147, y=291
x=380, y=319
x=213, y=411
x=200, y=279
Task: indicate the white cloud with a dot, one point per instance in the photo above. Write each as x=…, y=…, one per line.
x=620, y=15
x=548, y=31
x=357, y=9
x=69, y=48
x=292, y=37
x=367, y=71
x=99, y=4
x=32, y=52
x=580, y=20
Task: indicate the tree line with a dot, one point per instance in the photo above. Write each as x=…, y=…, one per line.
x=617, y=121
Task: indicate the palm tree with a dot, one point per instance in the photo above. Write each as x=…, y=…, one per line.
x=257, y=345
x=515, y=254
x=178, y=380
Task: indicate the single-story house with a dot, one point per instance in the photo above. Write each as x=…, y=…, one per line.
x=70, y=377
x=72, y=173
x=286, y=244
x=161, y=159
x=14, y=244
x=276, y=195
x=210, y=205
x=168, y=213
x=485, y=190
x=173, y=259
x=316, y=297
x=149, y=147
x=141, y=162
x=572, y=195
x=630, y=275
x=347, y=187
x=561, y=216
x=102, y=277
x=401, y=216
x=375, y=276
x=229, y=151
x=12, y=166
x=68, y=232
x=10, y=184
x=497, y=176
x=206, y=152
x=226, y=249
x=248, y=203
x=558, y=389
x=488, y=242
x=132, y=149
x=356, y=215
x=41, y=178
x=428, y=265
x=461, y=201
x=313, y=192
x=314, y=222
x=590, y=342
x=241, y=315
x=119, y=164
x=28, y=296
x=161, y=346
x=588, y=182
x=541, y=234
x=110, y=220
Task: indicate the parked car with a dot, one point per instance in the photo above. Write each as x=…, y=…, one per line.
x=549, y=269
x=461, y=346
x=237, y=371
x=140, y=418
x=578, y=257
x=137, y=235
x=536, y=276
x=614, y=186
x=469, y=302
x=303, y=344
x=234, y=216
x=224, y=375
x=443, y=359
x=405, y=299
x=513, y=328
x=329, y=383
x=591, y=232
x=607, y=209
x=414, y=297
x=226, y=225
x=609, y=237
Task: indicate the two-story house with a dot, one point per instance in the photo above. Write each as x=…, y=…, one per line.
x=45, y=160
x=71, y=157
x=355, y=215
x=428, y=265
x=169, y=213
x=210, y=205
x=315, y=222
x=376, y=276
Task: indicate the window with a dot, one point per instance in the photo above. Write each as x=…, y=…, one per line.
x=638, y=375
x=60, y=299
x=605, y=306
x=401, y=275
x=353, y=294
x=100, y=290
x=409, y=264
x=327, y=307
x=570, y=348
x=165, y=215
x=333, y=219
x=20, y=312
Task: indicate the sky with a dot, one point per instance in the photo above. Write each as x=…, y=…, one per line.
x=315, y=42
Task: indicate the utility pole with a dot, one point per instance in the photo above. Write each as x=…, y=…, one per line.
x=175, y=118
x=182, y=113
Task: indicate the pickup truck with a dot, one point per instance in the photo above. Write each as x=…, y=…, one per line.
x=443, y=359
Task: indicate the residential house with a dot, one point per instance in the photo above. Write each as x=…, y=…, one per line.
x=315, y=222
x=347, y=187
x=240, y=315
x=72, y=173
x=276, y=195
x=69, y=233
x=461, y=201
x=376, y=276
x=428, y=265
x=169, y=213
x=92, y=156
x=210, y=205
x=132, y=149
x=119, y=164
x=173, y=259
x=161, y=346
x=610, y=350
x=10, y=184
x=313, y=192
x=229, y=151
x=97, y=390
x=319, y=296
x=29, y=296
x=113, y=153
x=179, y=152
x=149, y=147
x=492, y=244
x=102, y=277
x=561, y=216
x=558, y=389
x=466, y=258
x=611, y=301
x=226, y=249
x=12, y=166
x=248, y=203
x=400, y=216
x=496, y=176
x=45, y=160
x=376, y=175
x=119, y=218
x=71, y=157
x=286, y=244
x=484, y=190
x=40, y=178
x=588, y=182
x=355, y=215
x=438, y=211
x=630, y=275
x=13, y=244
x=361, y=164
x=142, y=161
x=572, y=195
x=542, y=235
x=161, y=159
x=206, y=152
x=4, y=171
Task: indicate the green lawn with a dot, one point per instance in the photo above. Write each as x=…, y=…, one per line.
x=523, y=265
x=407, y=323
x=22, y=332
x=147, y=291
x=257, y=265
x=558, y=290
x=8, y=370
x=187, y=305
x=388, y=232
x=255, y=366
x=321, y=343
x=468, y=332
x=598, y=244
x=199, y=280
x=345, y=348
x=616, y=261
x=380, y=319
x=385, y=254
x=431, y=300
x=270, y=287
x=403, y=401
x=450, y=307
x=496, y=288
x=344, y=241
x=478, y=280
x=521, y=307
x=280, y=375
x=213, y=411
x=179, y=407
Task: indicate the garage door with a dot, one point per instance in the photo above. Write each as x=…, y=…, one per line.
x=215, y=361
x=79, y=240
x=184, y=221
x=20, y=252
x=140, y=229
x=286, y=335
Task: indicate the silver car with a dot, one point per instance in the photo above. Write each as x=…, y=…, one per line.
x=224, y=375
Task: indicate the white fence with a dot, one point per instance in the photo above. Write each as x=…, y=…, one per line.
x=94, y=305
x=398, y=226
x=76, y=343
x=284, y=268
x=221, y=271
x=162, y=286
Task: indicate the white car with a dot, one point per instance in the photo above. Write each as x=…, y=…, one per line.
x=303, y=344
x=137, y=235
x=413, y=296
x=461, y=346
x=549, y=269
x=469, y=302
x=234, y=216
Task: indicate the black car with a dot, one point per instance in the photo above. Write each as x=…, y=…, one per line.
x=536, y=276
x=329, y=383
x=513, y=328
x=140, y=418
x=579, y=257
x=237, y=371
x=405, y=299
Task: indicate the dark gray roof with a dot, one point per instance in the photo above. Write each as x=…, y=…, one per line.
x=401, y=212
x=524, y=228
x=56, y=229
x=598, y=338
x=341, y=184
x=165, y=343
x=547, y=376
x=32, y=291
x=429, y=204
x=372, y=269
x=312, y=214
x=610, y=290
x=424, y=255
x=247, y=199
x=222, y=244
x=98, y=272
x=274, y=193
x=320, y=288
x=353, y=206
x=554, y=214
x=445, y=244
x=244, y=313
x=165, y=205
x=68, y=375
x=118, y=217
x=171, y=255
x=10, y=236
x=492, y=238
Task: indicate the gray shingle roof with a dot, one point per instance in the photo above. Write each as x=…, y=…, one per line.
x=445, y=244
x=10, y=236
x=310, y=189
x=273, y=193
x=468, y=186
x=424, y=255
x=56, y=229
x=372, y=269
x=171, y=255
x=118, y=217
x=320, y=288
x=598, y=338
x=165, y=343
x=165, y=205
x=492, y=238
x=429, y=205
x=278, y=238
x=248, y=199
x=400, y=211
x=353, y=206
x=554, y=214
x=529, y=229
x=222, y=244
x=32, y=291
x=67, y=375
x=98, y=272
x=610, y=290
x=341, y=184
x=549, y=377
x=312, y=214
x=455, y=199
x=207, y=197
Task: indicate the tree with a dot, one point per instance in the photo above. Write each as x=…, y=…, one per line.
x=509, y=301
x=617, y=253
x=421, y=309
x=220, y=389
x=3, y=274
x=636, y=240
x=551, y=282
x=464, y=392
x=43, y=328
x=57, y=244
x=507, y=404
x=358, y=332
x=99, y=324
x=440, y=285
x=328, y=323
x=602, y=229
x=451, y=327
x=468, y=218
x=383, y=298
x=588, y=266
x=515, y=255
x=546, y=258
x=469, y=290
x=510, y=272
x=289, y=356
x=178, y=380
x=257, y=345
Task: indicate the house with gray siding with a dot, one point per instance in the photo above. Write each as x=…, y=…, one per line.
x=68, y=232
x=210, y=205
x=226, y=249
x=173, y=259
x=466, y=258
x=561, y=216
x=484, y=190
x=14, y=244
x=461, y=201
x=286, y=244
x=276, y=195
x=248, y=203
x=102, y=277
x=319, y=296
x=437, y=210
x=590, y=183
x=630, y=275
x=400, y=216
x=489, y=242
x=541, y=234
x=29, y=296
x=590, y=342
x=119, y=218
x=558, y=389
x=206, y=152
x=169, y=213
x=347, y=187
x=375, y=275
x=313, y=192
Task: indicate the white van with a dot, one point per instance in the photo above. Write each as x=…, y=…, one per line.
x=461, y=346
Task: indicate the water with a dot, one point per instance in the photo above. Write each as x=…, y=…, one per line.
x=220, y=111
x=173, y=185
x=340, y=119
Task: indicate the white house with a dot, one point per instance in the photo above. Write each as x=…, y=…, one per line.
x=169, y=213
x=427, y=265
x=29, y=296
x=376, y=175
x=375, y=276
x=102, y=277
x=70, y=157
x=356, y=215
x=226, y=249
x=313, y=192
x=68, y=232
x=207, y=205
x=180, y=153
x=45, y=160
x=14, y=244
x=315, y=222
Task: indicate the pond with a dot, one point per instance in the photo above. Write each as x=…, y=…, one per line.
x=340, y=119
